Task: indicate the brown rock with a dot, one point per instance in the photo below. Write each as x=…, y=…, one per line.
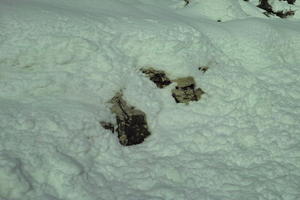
x=159, y=77
x=203, y=69
x=108, y=126
x=132, y=126
x=185, y=90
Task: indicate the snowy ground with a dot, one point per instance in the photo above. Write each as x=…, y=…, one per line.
x=62, y=60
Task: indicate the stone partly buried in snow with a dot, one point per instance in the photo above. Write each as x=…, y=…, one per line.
x=186, y=90
x=108, y=126
x=159, y=77
x=132, y=126
x=264, y=4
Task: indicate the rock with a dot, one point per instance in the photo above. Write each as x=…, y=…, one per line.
x=187, y=2
x=132, y=126
x=108, y=126
x=264, y=4
x=185, y=90
x=203, y=69
x=290, y=1
x=159, y=77
x=284, y=14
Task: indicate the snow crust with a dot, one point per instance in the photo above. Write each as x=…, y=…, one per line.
x=61, y=61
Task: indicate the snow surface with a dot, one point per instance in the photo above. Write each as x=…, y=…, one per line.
x=62, y=60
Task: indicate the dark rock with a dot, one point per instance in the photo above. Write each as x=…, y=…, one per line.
x=132, y=126
x=158, y=77
x=108, y=126
x=264, y=4
x=285, y=14
x=185, y=90
x=187, y=2
x=289, y=1
x=203, y=69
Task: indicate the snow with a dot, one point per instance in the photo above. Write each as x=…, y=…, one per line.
x=62, y=61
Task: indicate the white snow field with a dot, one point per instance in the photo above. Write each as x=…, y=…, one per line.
x=61, y=61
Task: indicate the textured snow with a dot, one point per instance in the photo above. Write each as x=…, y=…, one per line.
x=62, y=60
